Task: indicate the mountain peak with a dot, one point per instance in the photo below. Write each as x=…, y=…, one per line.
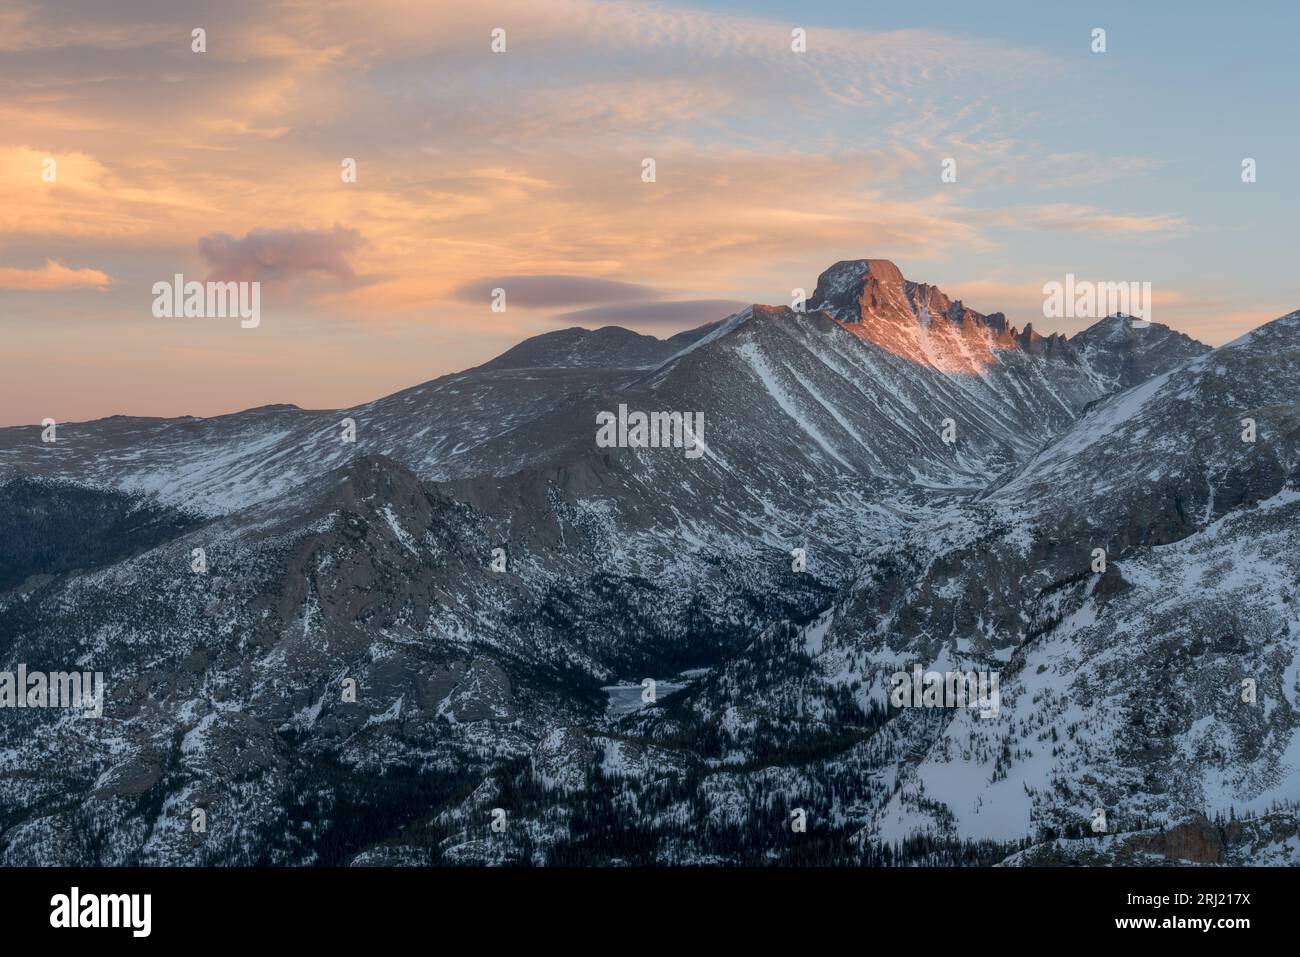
x=872, y=299
x=1131, y=354
x=609, y=347
x=870, y=290
x=849, y=276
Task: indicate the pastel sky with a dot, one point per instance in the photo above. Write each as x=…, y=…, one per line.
x=523, y=169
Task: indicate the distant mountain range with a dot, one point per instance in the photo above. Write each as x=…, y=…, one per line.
x=391, y=639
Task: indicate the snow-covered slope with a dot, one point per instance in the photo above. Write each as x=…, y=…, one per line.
x=945, y=475
x=1123, y=688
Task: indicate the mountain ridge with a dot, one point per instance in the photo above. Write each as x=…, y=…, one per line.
x=481, y=568
x=617, y=348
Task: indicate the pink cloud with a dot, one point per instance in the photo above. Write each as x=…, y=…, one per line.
x=281, y=254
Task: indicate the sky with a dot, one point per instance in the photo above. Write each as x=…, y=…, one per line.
x=127, y=156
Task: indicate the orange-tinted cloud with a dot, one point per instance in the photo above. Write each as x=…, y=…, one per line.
x=52, y=276
x=472, y=165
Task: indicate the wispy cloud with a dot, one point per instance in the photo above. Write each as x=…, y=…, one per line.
x=1075, y=218
x=52, y=276
x=542, y=292
x=677, y=313
x=474, y=166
